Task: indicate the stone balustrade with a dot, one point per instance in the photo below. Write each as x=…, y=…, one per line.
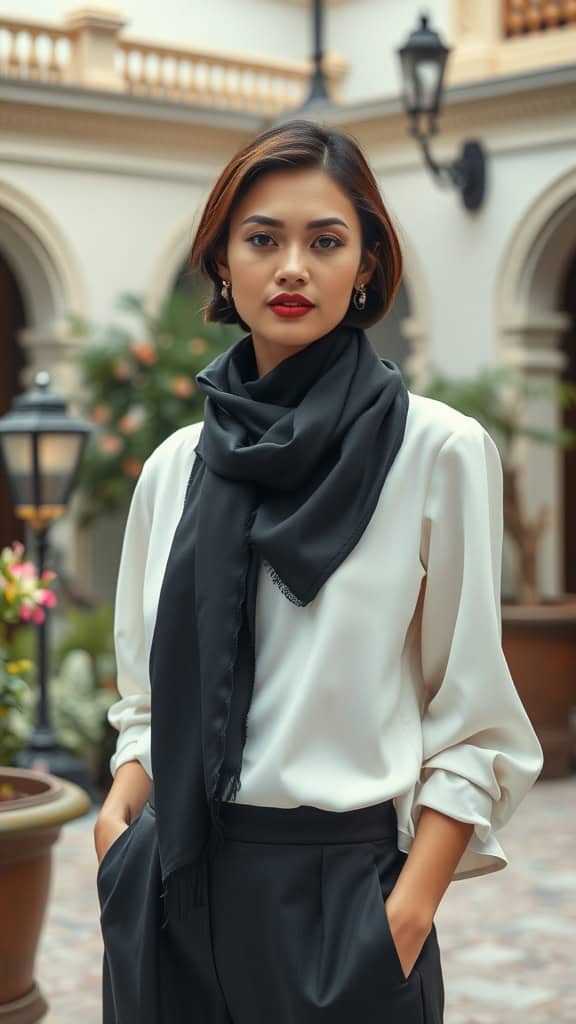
x=90, y=51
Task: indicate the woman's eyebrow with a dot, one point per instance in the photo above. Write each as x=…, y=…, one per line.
x=323, y=222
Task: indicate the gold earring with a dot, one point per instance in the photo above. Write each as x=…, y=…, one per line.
x=225, y=290
x=359, y=298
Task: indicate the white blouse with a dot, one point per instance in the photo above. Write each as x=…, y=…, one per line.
x=391, y=683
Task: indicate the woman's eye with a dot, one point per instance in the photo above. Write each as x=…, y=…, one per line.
x=260, y=234
x=328, y=238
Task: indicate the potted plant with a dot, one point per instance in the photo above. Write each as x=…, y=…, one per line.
x=538, y=634
x=33, y=805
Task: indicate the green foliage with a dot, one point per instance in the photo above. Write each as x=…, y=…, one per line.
x=139, y=388
x=496, y=397
x=87, y=630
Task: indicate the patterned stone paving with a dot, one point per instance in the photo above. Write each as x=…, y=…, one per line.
x=508, y=939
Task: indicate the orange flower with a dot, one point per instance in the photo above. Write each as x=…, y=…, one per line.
x=183, y=387
x=101, y=413
x=199, y=346
x=110, y=444
x=145, y=352
x=131, y=420
x=132, y=467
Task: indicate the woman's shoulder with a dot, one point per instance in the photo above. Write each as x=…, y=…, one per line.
x=432, y=423
x=173, y=457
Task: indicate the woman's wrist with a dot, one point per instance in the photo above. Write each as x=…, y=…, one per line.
x=128, y=793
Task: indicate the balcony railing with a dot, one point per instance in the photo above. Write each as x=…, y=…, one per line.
x=89, y=51
x=521, y=17
x=33, y=51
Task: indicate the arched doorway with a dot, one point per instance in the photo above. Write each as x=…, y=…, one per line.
x=12, y=362
x=536, y=318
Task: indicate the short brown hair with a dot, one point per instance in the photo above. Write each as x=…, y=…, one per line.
x=297, y=144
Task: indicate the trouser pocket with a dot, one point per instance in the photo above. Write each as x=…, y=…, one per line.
x=129, y=888
x=426, y=973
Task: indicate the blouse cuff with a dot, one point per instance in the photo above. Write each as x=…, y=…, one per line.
x=458, y=798
x=133, y=748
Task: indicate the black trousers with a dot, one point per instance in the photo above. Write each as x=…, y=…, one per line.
x=295, y=930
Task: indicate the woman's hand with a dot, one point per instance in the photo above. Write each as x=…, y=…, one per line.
x=107, y=829
x=128, y=794
x=409, y=929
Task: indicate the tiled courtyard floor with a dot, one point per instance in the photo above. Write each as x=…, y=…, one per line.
x=508, y=939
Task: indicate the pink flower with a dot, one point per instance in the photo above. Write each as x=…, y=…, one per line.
x=25, y=613
x=23, y=570
x=47, y=576
x=47, y=598
x=38, y=615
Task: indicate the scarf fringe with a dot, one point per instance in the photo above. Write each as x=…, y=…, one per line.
x=282, y=586
x=185, y=889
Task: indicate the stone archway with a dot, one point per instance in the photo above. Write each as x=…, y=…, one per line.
x=48, y=276
x=535, y=321
x=41, y=283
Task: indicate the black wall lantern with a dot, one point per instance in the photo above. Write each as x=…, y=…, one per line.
x=423, y=61
x=41, y=447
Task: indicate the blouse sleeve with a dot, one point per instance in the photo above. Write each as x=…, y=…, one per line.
x=130, y=715
x=480, y=752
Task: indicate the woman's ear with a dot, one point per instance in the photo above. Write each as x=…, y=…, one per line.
x=367, y=265
x=222, y=267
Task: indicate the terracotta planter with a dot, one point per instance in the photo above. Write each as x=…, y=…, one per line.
x=539, y=642
x=28, y=829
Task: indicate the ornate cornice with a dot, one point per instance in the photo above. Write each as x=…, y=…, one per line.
x=140, y=126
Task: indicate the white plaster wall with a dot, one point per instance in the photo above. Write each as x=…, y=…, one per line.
x=365, y=32
x=117, y=224
x=368, y=33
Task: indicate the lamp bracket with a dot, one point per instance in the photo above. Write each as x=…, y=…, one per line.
x=467, y=173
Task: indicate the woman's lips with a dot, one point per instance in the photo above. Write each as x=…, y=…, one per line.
x=290, y=312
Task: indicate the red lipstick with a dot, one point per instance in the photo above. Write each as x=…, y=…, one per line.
x=290, y=306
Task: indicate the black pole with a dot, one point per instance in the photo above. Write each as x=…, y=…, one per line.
x=318, y=87
x=43, y=752
x=43, y=737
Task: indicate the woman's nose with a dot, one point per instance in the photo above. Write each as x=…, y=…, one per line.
x=292, y=267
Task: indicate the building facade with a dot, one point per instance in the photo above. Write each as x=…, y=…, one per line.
x=114, y=124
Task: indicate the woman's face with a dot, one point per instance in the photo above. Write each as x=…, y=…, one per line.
x=276, y=246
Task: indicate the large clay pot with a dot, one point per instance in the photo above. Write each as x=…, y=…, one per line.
x=29, y=827
x=539, y=642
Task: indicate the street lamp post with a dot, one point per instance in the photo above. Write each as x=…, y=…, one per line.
x=423, y=61
x=318, y=90
x=41, y=447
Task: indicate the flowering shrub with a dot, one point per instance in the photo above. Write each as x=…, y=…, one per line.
x=24, y=597
x=139, y=387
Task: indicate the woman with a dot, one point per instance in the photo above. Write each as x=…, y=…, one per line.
x=308, y=640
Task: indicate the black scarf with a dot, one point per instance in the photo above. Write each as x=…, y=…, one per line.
x=288, y=472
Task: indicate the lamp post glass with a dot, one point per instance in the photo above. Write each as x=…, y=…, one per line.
x=423, y=62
